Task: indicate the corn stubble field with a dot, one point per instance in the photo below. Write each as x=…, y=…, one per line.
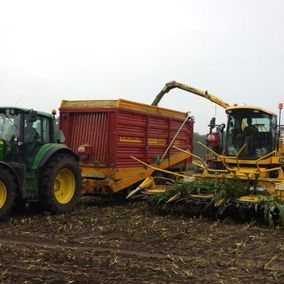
x=110, y=242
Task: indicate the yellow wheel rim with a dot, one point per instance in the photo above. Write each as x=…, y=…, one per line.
x=64, y=186
x=3, y=194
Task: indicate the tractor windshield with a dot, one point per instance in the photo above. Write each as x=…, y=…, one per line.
x=251, y=131
x=9, y=124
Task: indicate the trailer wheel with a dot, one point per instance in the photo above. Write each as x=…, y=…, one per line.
x=7, y=192
x=60, y=184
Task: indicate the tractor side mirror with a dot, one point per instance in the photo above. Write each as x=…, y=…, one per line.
x=32, y=116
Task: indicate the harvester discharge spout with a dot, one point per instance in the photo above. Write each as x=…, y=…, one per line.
x=174, y=84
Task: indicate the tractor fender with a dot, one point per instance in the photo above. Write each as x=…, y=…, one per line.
x=47, y=151
x=19, y=171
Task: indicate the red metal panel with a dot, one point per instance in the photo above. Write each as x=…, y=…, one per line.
x=112, y=138
x=165, y=129
x=116, y=134
x=158, y=137
x=92, y=129
x=131, y=133
x=148, y=137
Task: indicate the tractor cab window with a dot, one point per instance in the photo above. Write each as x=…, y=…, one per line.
x=9, y=124
x=43, y=127
x=250, y=133
x=38, y=130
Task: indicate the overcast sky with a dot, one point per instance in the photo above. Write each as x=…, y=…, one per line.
x=110, y=49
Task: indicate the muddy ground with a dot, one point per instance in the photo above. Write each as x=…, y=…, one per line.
x=127, y=243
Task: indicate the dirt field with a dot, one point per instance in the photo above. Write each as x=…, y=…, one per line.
x=126, y=243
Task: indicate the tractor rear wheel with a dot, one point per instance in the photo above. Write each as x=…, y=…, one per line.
x=7, y=192
x=60, y=184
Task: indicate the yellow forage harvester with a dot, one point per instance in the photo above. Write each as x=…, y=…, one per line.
x=242, y=173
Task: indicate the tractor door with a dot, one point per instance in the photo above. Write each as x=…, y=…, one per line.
x=37, y=131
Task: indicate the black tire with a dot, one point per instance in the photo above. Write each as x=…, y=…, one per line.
x=8, y=187
x=20, y=204
x=60, y=175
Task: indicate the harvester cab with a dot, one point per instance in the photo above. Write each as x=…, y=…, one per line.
x=251, y=132
x=32, y=167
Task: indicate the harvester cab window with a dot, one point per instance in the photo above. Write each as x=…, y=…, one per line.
x=249, y=136
x=234, y=141
x=251, y=131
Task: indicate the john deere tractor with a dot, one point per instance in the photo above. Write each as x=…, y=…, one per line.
x=33, y=168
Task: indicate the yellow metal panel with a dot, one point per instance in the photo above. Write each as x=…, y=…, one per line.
x=88, y=103
x=151, y=109
x=251, y=107
x=120, y=103
x=246, y=162
x=113, y=173
x=93, y=172
x=118, y=179
x=281, y=148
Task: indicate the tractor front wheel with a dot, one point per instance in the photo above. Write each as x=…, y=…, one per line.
x=7, y=192
x=60, y=184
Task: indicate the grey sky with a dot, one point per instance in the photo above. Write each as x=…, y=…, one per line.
x=54, y=50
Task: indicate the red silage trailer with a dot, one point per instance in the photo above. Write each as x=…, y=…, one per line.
x=107, y=134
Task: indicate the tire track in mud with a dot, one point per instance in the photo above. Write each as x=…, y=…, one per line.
x=37, y=258
x=39, y=265
x=48, y=244
x=39, y=274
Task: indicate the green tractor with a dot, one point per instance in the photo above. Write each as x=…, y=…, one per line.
x=33, y=168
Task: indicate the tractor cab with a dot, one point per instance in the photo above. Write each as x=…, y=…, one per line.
x=22, y=132
x=251, y=132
